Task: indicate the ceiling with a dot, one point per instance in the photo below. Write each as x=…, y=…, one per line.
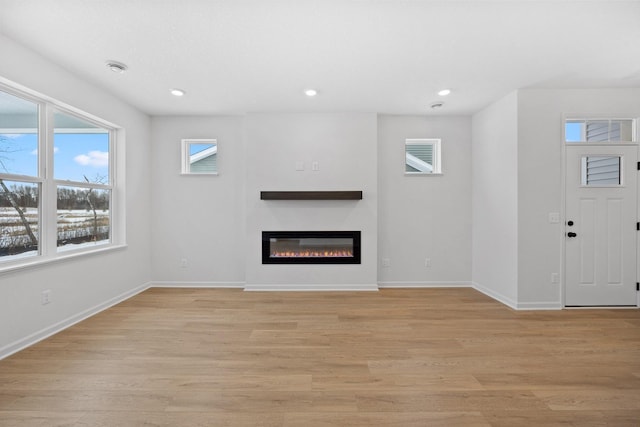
x=386, y=56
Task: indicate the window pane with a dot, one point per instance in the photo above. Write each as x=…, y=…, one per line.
x=598, y=131
x=18, y=136
x=421, y=156
x=199, y=156
x=83, y=217
x=573, y=131
x=622, y=130
x=18, y=219
x=81, y=150
x=603, y=171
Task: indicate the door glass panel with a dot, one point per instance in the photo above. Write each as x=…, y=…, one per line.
x=601, y=171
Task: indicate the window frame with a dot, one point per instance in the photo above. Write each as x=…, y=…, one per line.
x=48, y=251
x=436, y=144
x=585, y=119
x=185, y=144
x=584, y=171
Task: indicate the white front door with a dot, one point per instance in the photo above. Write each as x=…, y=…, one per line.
x=600, y=227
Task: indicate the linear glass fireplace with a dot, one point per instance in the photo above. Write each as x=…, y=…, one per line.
x=311, y=247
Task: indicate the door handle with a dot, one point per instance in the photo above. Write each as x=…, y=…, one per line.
x=571, y=234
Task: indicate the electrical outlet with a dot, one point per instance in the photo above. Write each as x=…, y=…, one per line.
x=315, y=166
x=555, y=278
x=46, y=297
x=184, y=263
x=386, y=262
x=427, y=262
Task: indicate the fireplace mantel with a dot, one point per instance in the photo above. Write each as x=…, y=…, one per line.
x=310, y=195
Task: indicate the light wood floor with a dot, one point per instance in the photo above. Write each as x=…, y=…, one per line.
x=421, y=357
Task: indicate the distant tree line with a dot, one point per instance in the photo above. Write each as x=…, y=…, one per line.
x=82, y=198
x=25, y=196
x=69, y=198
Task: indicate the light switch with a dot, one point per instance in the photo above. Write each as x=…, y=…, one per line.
x=299, y=166
x=315, y=166
x=554, y=217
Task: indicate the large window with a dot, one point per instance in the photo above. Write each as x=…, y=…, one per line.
x=56, y=180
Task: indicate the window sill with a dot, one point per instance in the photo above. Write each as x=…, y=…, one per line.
x=60, y=257
x=422, y=174
x=598, y=144
x=199, y=174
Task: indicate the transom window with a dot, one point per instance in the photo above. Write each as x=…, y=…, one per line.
x=600, y=130
x=56, y=180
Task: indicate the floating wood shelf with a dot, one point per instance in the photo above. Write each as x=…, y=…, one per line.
x=310, y=195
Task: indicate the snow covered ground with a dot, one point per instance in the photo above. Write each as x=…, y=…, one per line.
x=72, y=224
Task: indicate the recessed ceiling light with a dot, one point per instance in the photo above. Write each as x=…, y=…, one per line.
x=177, y=92
x=116, y=67
x=444, y=92
x=311, y=92
x=437, y=105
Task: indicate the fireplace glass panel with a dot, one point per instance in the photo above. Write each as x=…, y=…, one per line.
x=311, y=247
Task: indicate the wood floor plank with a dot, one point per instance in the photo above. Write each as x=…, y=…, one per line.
x=398, y=357
x=386, y=419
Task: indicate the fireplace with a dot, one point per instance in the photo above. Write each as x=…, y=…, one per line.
x=311, y=247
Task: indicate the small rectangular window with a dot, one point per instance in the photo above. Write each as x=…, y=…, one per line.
x=200, y=156
x=422, y=156
x=599, y=130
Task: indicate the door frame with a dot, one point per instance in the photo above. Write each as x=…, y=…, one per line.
x=563, y=207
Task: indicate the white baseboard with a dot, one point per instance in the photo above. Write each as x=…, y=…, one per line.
x=27, y=341
x=543, y=305
x=413, y=284
x=551, y=305
x=495, y=295
x=311, y=287
x=165, y=284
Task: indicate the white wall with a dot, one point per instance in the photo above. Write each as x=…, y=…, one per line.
x=540, y=148
x=424, y=216
x=344, y=145
x=85, y=283
x=198, y=218
x=495, y=200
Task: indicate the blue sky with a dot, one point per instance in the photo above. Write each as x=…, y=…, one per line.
x=573, y=131
x=198, y=147
x=75, y=155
